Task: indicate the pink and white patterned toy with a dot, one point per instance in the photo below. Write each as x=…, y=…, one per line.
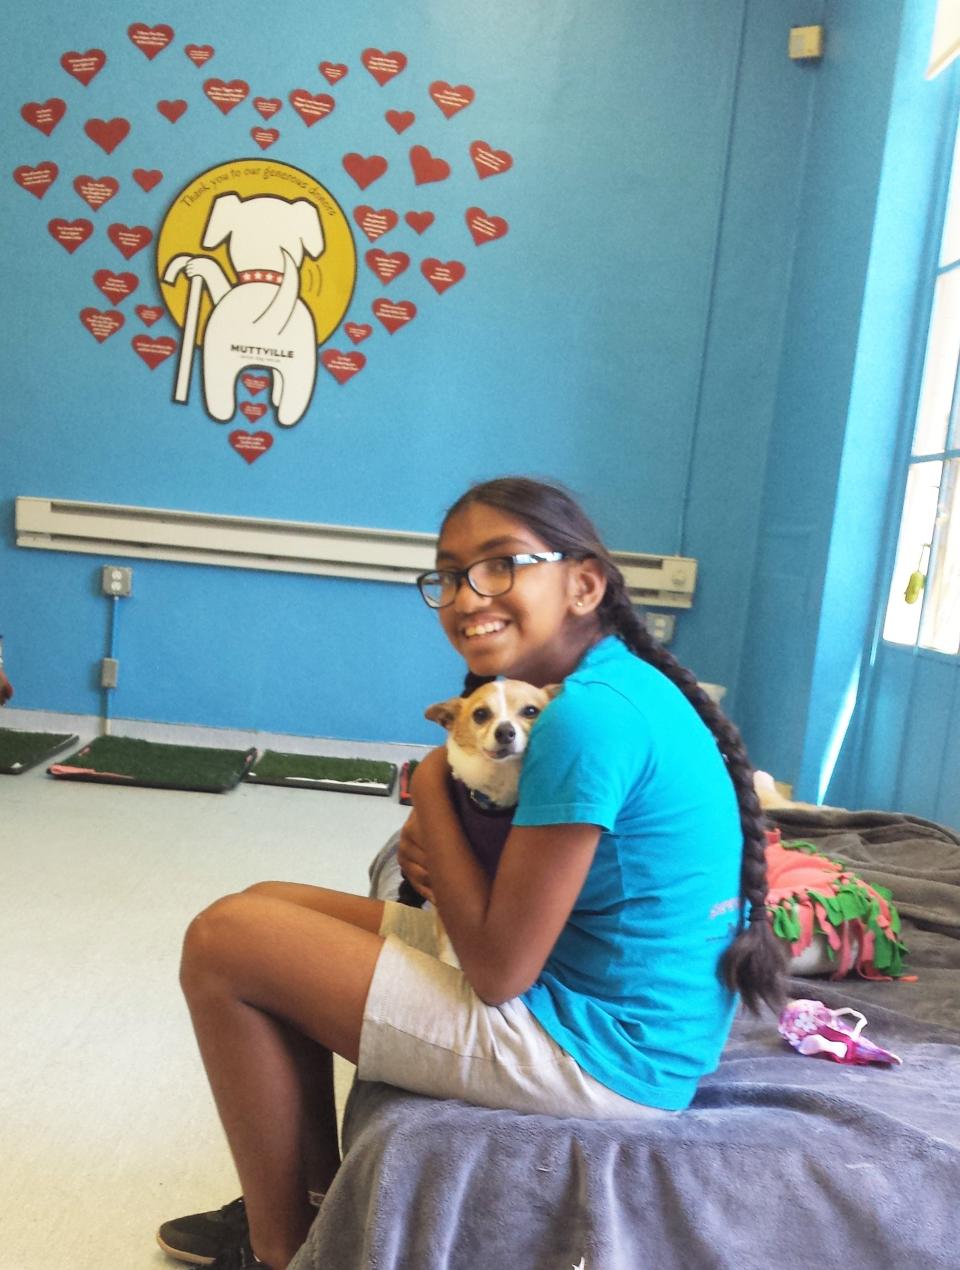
x=814, y=1029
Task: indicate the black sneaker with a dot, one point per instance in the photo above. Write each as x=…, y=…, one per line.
x=239, y=1257
x=201, y=1238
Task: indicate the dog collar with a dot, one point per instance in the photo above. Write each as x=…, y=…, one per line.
x=260, y=275
x=485, y=803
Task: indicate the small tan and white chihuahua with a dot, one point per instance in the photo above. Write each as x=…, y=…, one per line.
x=487, y=737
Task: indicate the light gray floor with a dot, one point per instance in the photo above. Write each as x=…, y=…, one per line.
x=106, y=1122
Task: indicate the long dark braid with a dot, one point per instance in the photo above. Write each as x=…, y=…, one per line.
x=754, y=963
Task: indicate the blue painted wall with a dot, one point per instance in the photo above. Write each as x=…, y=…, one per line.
x=867, y=220
x=641, y=333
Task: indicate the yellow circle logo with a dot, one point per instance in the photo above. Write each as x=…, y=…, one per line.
x=251, y=217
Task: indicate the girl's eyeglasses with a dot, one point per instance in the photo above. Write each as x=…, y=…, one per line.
x=488, y=578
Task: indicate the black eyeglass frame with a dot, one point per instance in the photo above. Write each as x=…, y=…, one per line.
x=460, y=576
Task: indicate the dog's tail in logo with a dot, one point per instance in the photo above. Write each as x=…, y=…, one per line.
x=280, y=309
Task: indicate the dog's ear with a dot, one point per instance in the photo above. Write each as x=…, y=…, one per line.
x=553, y=690
x=223, y=214
x=444, y=712
x=307, y=226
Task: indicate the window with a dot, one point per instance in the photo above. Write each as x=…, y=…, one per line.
x=924, y=604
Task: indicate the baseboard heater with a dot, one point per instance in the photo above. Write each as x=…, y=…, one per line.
x=244, y=542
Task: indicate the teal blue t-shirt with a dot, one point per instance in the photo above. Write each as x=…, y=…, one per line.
x=631, y=988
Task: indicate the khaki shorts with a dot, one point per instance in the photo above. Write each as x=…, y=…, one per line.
x=426, y=1030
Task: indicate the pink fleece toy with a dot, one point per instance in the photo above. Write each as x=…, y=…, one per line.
x=810, y=895
x=814, y=1029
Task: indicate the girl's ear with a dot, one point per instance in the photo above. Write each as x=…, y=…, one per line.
x=587, y=585
x=444, y=712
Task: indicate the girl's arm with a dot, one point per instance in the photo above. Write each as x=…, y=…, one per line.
x=502, y=931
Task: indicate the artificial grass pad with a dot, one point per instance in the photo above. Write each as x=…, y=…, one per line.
x=314, y=771
x=20, y=751
x=118, y=760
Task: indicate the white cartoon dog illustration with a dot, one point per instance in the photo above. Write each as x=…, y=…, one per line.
x=260, y=320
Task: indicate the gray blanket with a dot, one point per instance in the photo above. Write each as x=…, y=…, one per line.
x=782, y=1160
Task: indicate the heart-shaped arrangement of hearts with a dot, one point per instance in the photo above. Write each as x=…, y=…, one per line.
x=400, y=278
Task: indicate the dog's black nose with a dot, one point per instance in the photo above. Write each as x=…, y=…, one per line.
x=505, y=733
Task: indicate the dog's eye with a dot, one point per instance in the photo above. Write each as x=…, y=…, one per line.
x=529, y=712
x=481, y=714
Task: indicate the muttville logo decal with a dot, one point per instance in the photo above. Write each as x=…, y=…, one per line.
x=259, y=264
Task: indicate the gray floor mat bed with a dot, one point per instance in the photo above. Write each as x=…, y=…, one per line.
x=783, y=1160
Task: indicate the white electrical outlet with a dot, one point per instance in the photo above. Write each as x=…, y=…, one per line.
x=661, y=626
x=116, y=580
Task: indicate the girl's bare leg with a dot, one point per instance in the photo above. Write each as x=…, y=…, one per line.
x=267, y=973
x=320, y=1140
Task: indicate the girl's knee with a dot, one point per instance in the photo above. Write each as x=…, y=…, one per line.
x=272, y=890
x=209, y=934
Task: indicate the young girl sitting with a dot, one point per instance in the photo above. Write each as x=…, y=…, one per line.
x=600, y=967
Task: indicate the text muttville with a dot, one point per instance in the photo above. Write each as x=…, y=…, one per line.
x=250, y=349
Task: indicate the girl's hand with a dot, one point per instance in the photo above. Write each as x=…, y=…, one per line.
x=430, y=776
x=413, y=859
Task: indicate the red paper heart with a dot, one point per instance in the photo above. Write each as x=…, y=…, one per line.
x=383, y=66
x=419, y=222
x=250, y=445
x=342, y=366
x=426, y=168
x=265, y=137
x=226, y=96
x=107, y=133
x=70, y=234
x=311, y=107
x=485, y=228
x=149, y=313
x=267, y=106
x=442, y=274
x=487, y=161
x=36, y=181
x=375, y=223
x=116, y=286
x=44, y=115
x=253, y=410
x=400, y=120
x=332, y=71
x=172, y=110
x=450, y=99
x=199, y=54
x=129, y=239
x=255, y=383
x=83, y=66
x=154, y=349
x=147, y=178
x=101, y=325
x=365, y=170
x=394, y=313
x=358, y=331
x=150, y=40
x=95, y=191
x=387, y=265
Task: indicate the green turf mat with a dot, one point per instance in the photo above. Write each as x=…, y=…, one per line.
x=118, y=760
x=20, y=751
x=313, y=771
